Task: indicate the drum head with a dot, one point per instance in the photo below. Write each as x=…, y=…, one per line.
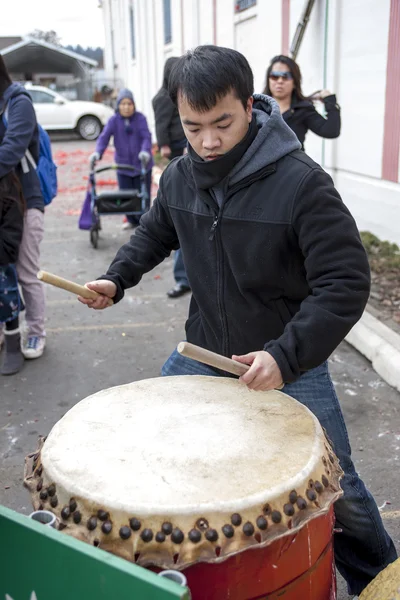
x=177, y=469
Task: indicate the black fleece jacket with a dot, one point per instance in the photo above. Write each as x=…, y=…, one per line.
x=279, y=267
x=169, y=130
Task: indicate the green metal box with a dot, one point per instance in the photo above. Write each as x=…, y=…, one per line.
x=40, y=563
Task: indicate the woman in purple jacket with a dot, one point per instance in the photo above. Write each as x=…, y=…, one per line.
x=132, y=142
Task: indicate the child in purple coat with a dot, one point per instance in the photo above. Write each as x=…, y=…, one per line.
x=132, y=142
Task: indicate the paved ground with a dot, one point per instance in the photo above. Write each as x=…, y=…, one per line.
x=88, y=351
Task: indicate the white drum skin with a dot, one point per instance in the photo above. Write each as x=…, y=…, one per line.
x=173, y=470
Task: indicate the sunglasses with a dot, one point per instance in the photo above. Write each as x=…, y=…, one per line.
x=286, y=75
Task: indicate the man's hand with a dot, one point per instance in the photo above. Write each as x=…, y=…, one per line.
x=264, y=373
x=165, y=151
x=106, y=289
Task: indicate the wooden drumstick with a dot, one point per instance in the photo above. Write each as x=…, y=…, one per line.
x=69, y=286
x=213, y=360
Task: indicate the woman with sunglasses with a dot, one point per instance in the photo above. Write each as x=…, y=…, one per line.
x=283, y=83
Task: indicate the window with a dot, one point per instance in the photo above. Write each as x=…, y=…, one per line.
x=39, y=97
x=244, y=4
x=167, y=22
x=132, y=28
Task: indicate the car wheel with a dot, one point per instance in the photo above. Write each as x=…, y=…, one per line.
x=89, y=127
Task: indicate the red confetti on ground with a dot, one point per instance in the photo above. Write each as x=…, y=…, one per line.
x=60, y=154
x=101, y=182
x=157, y=277
x=72, y=190
x=73, y=212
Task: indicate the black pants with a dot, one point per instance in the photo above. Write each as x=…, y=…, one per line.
x=11, y=325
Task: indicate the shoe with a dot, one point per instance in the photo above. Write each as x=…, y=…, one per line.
x=178, y=290
x=34, y=347
x=1, y=336
x=128, y=225
x=13, y=357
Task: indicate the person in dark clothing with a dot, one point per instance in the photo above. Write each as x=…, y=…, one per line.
x=16, y=138
x=278, y=271
x=132, y=143
x=283, y=83
x=11, y=228
x=172, y=142
x=171, y=138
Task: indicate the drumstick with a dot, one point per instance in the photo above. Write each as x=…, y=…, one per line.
x=213, y=360
x=69, y=286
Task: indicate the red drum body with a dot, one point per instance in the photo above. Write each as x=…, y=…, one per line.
x=299, y=567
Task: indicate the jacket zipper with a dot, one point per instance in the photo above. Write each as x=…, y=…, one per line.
x=213, y=228
x=213, y=232
x=220, y=266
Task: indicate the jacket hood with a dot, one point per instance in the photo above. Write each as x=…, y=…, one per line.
x=274, y=140
x=15, y=89
x=124, y=93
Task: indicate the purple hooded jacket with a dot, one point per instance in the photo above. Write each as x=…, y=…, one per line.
x=130, y=137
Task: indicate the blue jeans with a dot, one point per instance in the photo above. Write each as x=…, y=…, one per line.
x=179, y=269
x=363, y=548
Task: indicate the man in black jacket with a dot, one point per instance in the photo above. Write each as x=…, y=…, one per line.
x=277, y=269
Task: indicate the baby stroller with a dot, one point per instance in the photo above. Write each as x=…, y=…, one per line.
x=110, y=202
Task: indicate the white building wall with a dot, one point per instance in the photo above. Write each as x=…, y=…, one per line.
x=362, y=53
x=206, y=30
x=355, y=69
x=344, y=49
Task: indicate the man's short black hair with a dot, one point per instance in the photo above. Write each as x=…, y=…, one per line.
x=206, y=74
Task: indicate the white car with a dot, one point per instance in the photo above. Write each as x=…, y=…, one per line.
x=56, y=113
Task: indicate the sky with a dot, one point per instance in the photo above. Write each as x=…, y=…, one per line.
x=75, y=21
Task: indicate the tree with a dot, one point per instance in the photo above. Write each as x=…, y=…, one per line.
x=95, y=53
x=50, y=37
